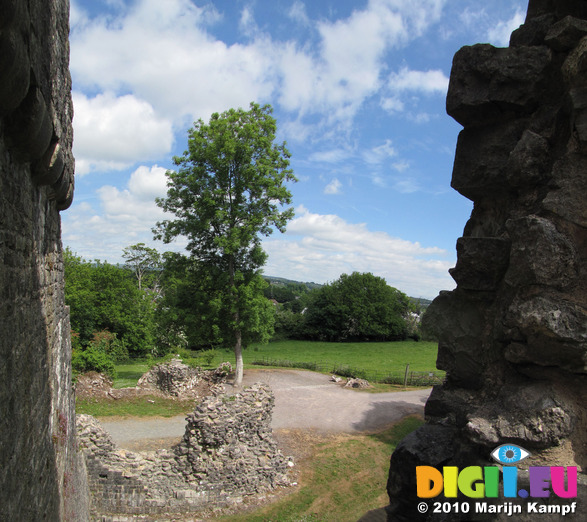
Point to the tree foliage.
(145, 262)
(102, 296)
(228, 190)
(356, 307)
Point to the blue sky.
(358, 89)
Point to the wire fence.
(404, 377)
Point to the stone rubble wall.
(173, 378)
(180, 380)
(513, 334)
(227, 452)
(41, 469)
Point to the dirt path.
(303, 400)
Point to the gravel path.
(303, 400)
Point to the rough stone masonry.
(227, 452)
(513, 334)
(42, 475)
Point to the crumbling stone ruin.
(513, 335)
(180, 380)
(227, 452)
(41, 470)
(174, 378)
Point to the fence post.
(406, 375)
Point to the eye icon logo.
(509, 454)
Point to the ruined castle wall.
(227, 452)
(41, 472)
(513, 334)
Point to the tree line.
(157, 303)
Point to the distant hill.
(424, 303)
(282, 281)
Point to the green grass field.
(391, 357)
(143, 406)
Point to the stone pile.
(227, 452)
(174, 378)
(357, 383)
(513, 335)
(182, 381)
(92, 384)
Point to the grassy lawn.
(144, 406)
(343, 479)
(129, 373)
(390, 356)
(374, 357)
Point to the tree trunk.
(238, 346)
(238, 353)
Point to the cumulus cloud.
(124, 217)
(165, 54)
(500, 34)
(112, 133)
(136, 205)
(162, 52)
(318, 247)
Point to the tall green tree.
(357, 307)
(145, 262)
(228, 191)
(101, 297)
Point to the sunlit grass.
(139, 406)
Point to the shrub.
(109, 343)
(93, 359)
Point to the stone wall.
(41, 471)
(513, 335)
(227, 452)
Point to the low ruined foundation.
(227, 453)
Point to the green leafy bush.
(95, 359)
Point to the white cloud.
(297, 12)
(125, 216)
(392, 105)
(136, 205)
(379, 154)
(319, 248)
(247, 23)
(333, 187)
(112, 133)
(164, 53)
(471, 18)
(427, 82)
(330, 156)
(407, 186)
(500, 34)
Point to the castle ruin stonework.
(42, 474)
(513, 334)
